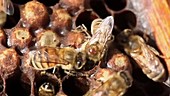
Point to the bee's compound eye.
(79, 64)
(79, 61)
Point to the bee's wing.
(167, 82)
(156, 52)
(104, 32)
(95, 25)
(8, 7)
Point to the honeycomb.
(51, 23)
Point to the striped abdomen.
(45, 58)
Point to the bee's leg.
(145, 37)
(157, 53)
(85, 30)
(54, 69)
(68, 72)
(105, 60)
(43, 72)
(4, 83)
(74, 73)
(105, 55)
(112, 38)
(83, 27)
(81, 74)
(167, 82)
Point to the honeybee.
(6, 7)
(46, 89)
(115, 85)
(96, 46)
(49, 57)
(143, 54)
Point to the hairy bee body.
(144, 56)
(116, 85)
(45, 58)
(67, 55)
(147, 60)
(101, 34)
(49, 57)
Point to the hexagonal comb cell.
(116, 5)
(86, 17)
(99, 7)
(61, 24)
(125, 19)
(75, 86)
(47, 85)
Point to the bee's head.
(123, 37)
(94, 52)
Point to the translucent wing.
(95, 25)
(104, 32)
(8, 7)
